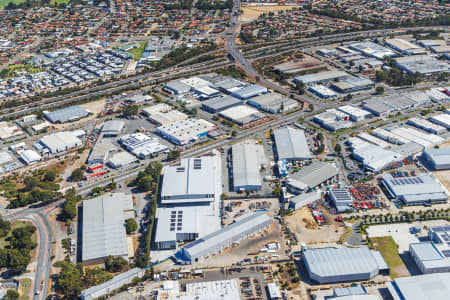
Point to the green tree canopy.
(131, 225)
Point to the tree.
(50, 176)
(130, 110)
(5, 227)
(77, 174)
(69, 280)
(311, 107)
(11, 295)
(145, 183)
(173, 154)
(114, 264)
(131, 225)
(300, 87)
(337, 148)
(97, 191)
(30, 183)
(379, 90)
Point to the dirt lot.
(94, 107)
(303, 225)
(239, 252)
(251, 13)
(444, 178)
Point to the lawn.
(3, 3)
(388, 248)
(8, 72)
(24, 289)
(14, 225)
(137, 52)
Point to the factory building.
(373, 157)
(121, 159)
(322, 91)
(183, 132)
(141, 145)
(341, 198)
(426, 125)
(219, 104)
(431, 43)
(248, 159)
(374, 140)
(333, 120)
(100, 153)
(9, 132)
(160, 107)
(438, 95)
(189, 201)
(354, 292)
(274, 291)
(103, 225)
(203, 88)
(242, 114)
(176, 87)
(439, 159)
(414, 190)
(404, 47)
(422, 64)
(273, 103)
(112, 128)
(164, 118)
(311, 176)
(388, 136)
(214, 242)
(372, 50)
(115, 283)
(430, 257)
(353, 84)
(356, 114)
(60, 141)
(200, 290)
(420, 287)
(416, 136)
(441, 49)
(321, 77)
(442, 120)
(377, 107)
(333, 265)
(229, 85)
(302, 200)
(306, 64)
(68, 114)
(291, 144)
(249, 92)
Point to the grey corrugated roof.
(220, 103)
(291, 144)
(227, 233)
(113, 126)
(104, 226)
(66, 114)
(431, 286)
(426, 251)
(246, 164)
(329, 262)
(314, 174)
(439, 156)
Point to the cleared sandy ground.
(251, 13)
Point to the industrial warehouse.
(112, 128)
(189, 201)
(68, 114)
(248, 159)
(242, 114)
(219, 240)
(311, 176)
(141, 145)
(291, 144)
(415, 190)
(332, 265)
(183, 132)
(273, 103)
(103, 231)
(219, 104)
(60, 141)
(439, 159)
(420, 287)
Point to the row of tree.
(16, 255)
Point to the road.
(39, 219)
(38, 215)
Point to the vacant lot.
(251, 13)
(303, 225)
(388, 248)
